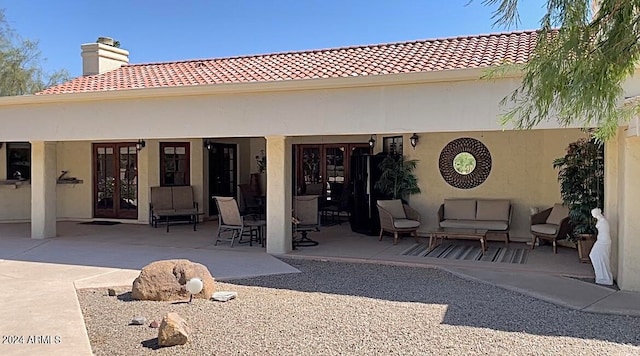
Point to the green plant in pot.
(397, 179)
(581, 177)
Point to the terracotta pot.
(585, 243)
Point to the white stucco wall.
(430, 107)
(628, 223)
(75, 201)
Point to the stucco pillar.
(143, 183)
(278, 195)
(43, 189)
(612, 180)
(629, 224)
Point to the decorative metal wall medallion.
(476, 174)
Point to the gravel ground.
(355, 309)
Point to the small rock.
(112, 292)
(139, 320)
(173, 330)
(154, 324)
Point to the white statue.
(601, 250)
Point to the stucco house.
(204, 121)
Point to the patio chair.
(396, 218)
(551, 225)
(250, 201)
(306, 219)
(229, 220)
(340, 203)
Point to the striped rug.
(471, 252)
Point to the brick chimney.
(102, 56)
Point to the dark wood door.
(326, 164)
(115, 180)
(222, 173)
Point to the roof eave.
(451, 75)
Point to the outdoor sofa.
(173, 204)
(493, 215)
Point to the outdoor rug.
(471, 252)
(98, 222)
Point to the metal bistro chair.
(306, 219)
(339, 203)
(229, 219)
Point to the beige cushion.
(493, 209)
(406, 224)
(464, 209)
(558, 213)
(394, 207)
(547, 229)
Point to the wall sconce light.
(414, 140)
(208, 145)
(140, 144)
(372, 141)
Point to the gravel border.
(335, 308)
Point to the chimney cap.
(106, 40)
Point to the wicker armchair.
(550, 224)
(397, 218)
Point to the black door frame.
(213, 163)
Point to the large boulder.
(173, 330)
(165, 280)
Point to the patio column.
(629, 224)
(278, 195)
(43, 189)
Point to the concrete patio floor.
(335, 242)
(40, 276)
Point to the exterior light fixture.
(414, 140)
(372, 141)
(194, 286)
(208, 145)
(140, 144)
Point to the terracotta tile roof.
(380, 59)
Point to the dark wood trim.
(187, 174)
(348, 151)
(115, 212)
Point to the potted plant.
(397, 179)
(581, 177)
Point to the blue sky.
(162, 30)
